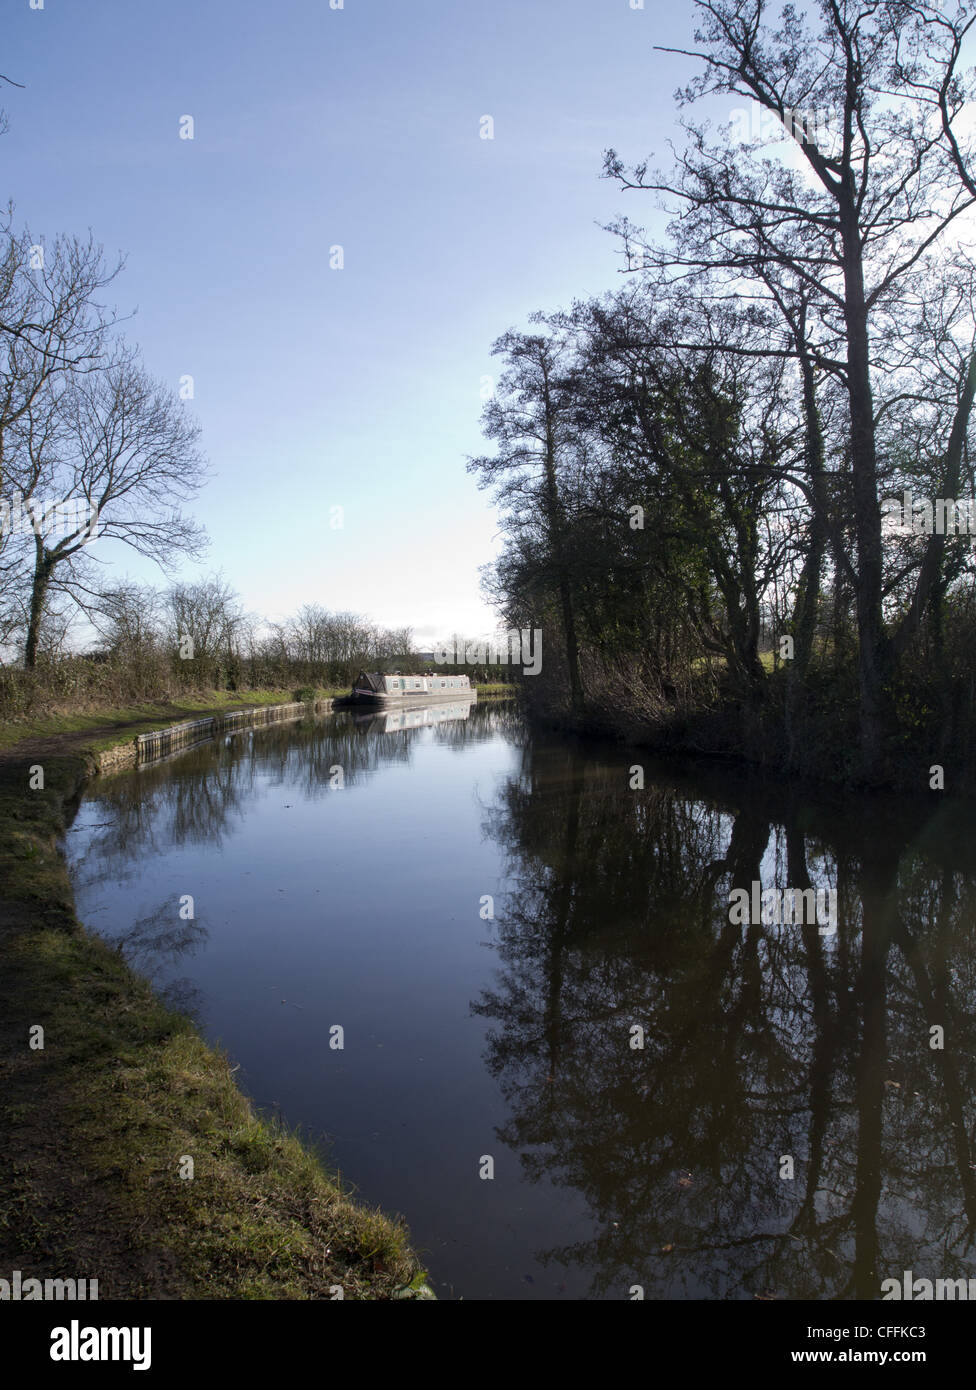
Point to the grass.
(111, 725)
(96, 1125)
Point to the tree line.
(155, 643)
(697, 472)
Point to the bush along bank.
(109, 1101)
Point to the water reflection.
(198, 796)
(391, 721)
(790, 1127)
(762, 1043)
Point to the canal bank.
(130, 1154)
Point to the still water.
(790, 1128)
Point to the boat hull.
(410, 699)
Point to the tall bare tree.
(880, 177)
(119, 454)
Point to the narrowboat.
(396, 691)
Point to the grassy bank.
(108, 725)
(100, 727)
(96, 1127)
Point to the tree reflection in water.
(761, 1042)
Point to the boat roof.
(375, 679)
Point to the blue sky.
(357, 388)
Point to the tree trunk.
(872, 645)
(808, 590)
(572, 648)
(39, 588)
(929, 577)
(557, 529)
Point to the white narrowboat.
(396, 691)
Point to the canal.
(561, 1060)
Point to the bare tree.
(51, 325)
(207, 611)
(118, 452)
(9, 82)
(51, 322)
(127, 615)
(856, 219)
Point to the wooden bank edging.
(159, 742)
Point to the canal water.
(536, 973)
